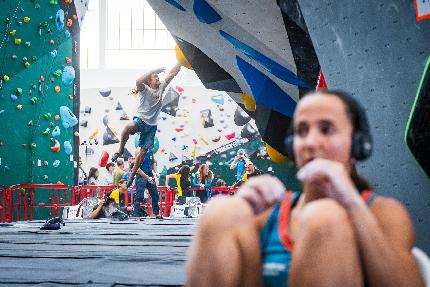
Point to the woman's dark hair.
(184, 171)
(92, 172)
(352, 111)
(109, 165)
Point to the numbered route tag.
(422, 9)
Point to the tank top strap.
(284, 215)
(368, 197)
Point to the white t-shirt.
(150, 103)
(107, 179)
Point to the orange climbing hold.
(57, 117)
(52, 42)
(68, 60)
(75, 16)
(55, 148)
(41, 79)
(69, 23)
(57, 89)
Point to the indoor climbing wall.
(254, 54)
(39, 90)
(196, 125)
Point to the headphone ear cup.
(361, 146)
(289, 147)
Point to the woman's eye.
(301, 131)
(327, 129)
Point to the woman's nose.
(313, 138)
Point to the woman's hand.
(262, 192)
(333, 178)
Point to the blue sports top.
(275, 243)
(147, 161)
(240, 169)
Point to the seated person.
(202, 179)
(112, 202)
(334, 232)
(183, 182)
(219, 183)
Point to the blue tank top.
(275, 243)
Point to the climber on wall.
(150, 90)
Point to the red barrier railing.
(18, 201)
(83, 191)
(226, 190)
(25, 200)
(165, 192)
(4, 204)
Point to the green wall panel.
(19, 162)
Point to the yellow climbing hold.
(19, 107)
(17, 41)
(94, 134)
(26, 19)
(249, 102)
(181, 58)
(275, 155)
(203, 139)
(12, 33)
(26, 64)
(5, 78)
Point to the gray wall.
(377, 51)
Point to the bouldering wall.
(39, 92)
(196, 125)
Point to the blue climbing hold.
(205, 13)
(56, 163)
(105, 93)
(68, 75)
(67, 33)
(14, 98)
(271, 66)
(266, 92)
(67, 147)
(106, 120)
(56, 132)
(59, 20)
(176, 5)
(67, 117)
(218, 99)
(53, 53)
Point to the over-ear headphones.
(361, 138)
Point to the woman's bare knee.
(325, 217)
(223, 212)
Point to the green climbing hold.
(27, 44)
(46, 132)
(24, 59)
(33, 100)
(34, 58)
(57, 73)
(47, 116)
(33, 146)
(45, 177)
(18, 91)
